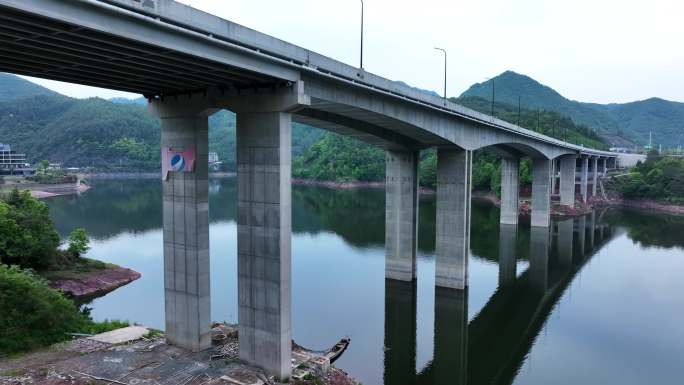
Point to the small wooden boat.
(337, 350)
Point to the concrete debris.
(120, 336)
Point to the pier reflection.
(492, 346)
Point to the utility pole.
(492, 97)
(445, 70)
(361, 34)
(518, 110)
(538, 121)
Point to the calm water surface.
(598, 300)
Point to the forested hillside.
(633, 121)
(12, 87)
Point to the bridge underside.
(51, 49)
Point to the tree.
(27, 234)
(79, 242)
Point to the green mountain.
(615, 122)
(113, 135)
(12, 87)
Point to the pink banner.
(178, 159)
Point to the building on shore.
(13, 163)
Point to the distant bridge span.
(189, 63)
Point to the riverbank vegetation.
(659, 178)
(33, 314)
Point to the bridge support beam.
(401, 214)
(453, 217)
(184, 128)
(264, 231)
(594, 176)
(584, 177)
(541, 193)
(508, 237)
(554, 173)
(568, 165)
(510, 169)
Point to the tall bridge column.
(554, 172)
(510, 187)
(541, 193)
(401, 214)
(264, 231)
(184, 140)
(568, 165)
(594, 176)
(453, 217)
(584, 176)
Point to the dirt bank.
(95, 283)
(149, 360)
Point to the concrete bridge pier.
(565, 237)
(184, 129)
(594, 176)
(264, 210)
(568, 165)
(454, 170)
(508, 236)
(510, 187)
(541, 193)
(554, 174)
(401, 214)
(539, 258)
(584, 177)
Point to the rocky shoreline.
(96, 283)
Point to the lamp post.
(492, 97)
(445, 70)
(361, 34)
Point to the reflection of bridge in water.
(491, 348)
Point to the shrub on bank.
(659, 178)
(33, 314)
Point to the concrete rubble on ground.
(126, 356)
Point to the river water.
(597, 300)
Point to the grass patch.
(13, 372)
(105, 326)
(77, 269)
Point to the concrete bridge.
(189, 64)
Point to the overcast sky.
(589, 50)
